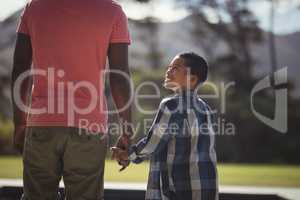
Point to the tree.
(151, 26)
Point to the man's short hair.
(197, 64)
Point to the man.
(64, 44)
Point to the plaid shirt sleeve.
(156, 138)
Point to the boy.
(180, 142)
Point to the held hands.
(121, 156)
(120, 151)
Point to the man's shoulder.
(115, 3)
(110, 3)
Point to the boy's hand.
(121, 156)
(119, 153)
(124, 164)
(123, 144)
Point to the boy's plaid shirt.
(181, 146)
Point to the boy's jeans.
(54, 152)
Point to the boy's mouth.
(168, 78)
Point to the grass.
(229, 174)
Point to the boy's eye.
(176, 68)
(173, 68)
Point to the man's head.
(186, 71)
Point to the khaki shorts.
(52, 153)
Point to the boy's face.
(176, 76)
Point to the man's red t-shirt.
(70, 40)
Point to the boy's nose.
(169, 71)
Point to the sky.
(286, 21)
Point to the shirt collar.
(186, 93)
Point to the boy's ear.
(194, 80)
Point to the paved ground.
(289, 193)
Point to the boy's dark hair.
(197, 65)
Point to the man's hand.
(123, 144)
(19, 137)
(121, 156)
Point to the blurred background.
(243, 41)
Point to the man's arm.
(119, 80)
(21, 62)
